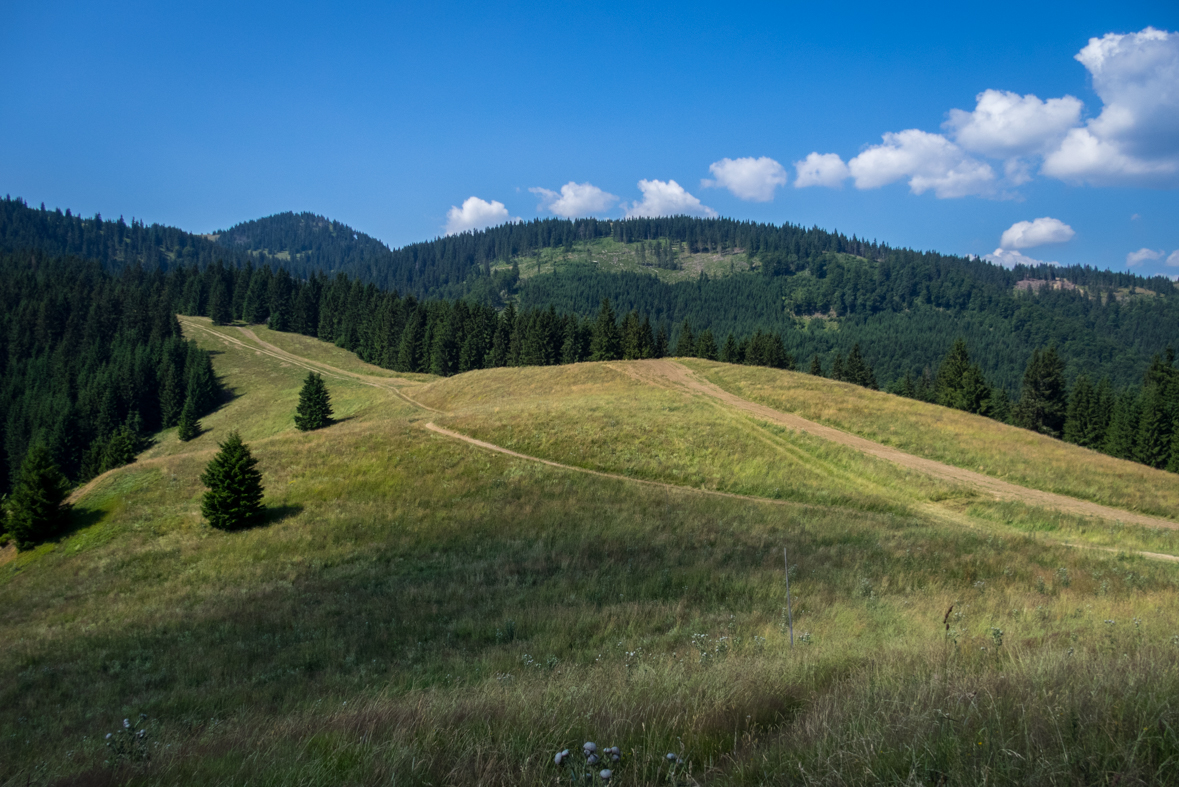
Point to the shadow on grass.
(79, 519)
(275, 514)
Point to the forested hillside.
(821, 292)
(91, 364)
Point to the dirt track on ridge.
(669, 374)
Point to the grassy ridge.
(956, 438)
(420, 609)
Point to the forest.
(91, 364)
(822, 292)
(1090, 363)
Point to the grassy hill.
(421, 609)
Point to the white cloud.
(820, 169)
(475, 214)
(1135, 139)
(929, 161)
(1029, 234)
(752, 179)
(1142, 255)
(666, 199)
(1009, 259)
(1006, 125)
(575, 199)
(1173, 260)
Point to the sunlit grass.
(957, 438)
(421, 611)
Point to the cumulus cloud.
(1135, 139)
(1142, 255)
(752, 179)
(1173, 260)
(1029, 234)
(820, 169)
(666, 199)
(929, 161)
(575, 199)
(1007, 125)
(475, 214)
(1009, 258)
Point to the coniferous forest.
(1088, 362)
(91, 364)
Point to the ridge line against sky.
(1055, 139)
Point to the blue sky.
(390, 117)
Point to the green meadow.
(419, 610)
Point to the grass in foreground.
(422, 611)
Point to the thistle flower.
(589, 748)
(126, 724)
(561, 755)
(592, 759)
(605, 774)
(108, 735)
(671, 757)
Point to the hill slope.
(823, 292)
(425, 609)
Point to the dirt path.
(614, 476)
(669, 374)
(273, 351)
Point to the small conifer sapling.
(234, 499)
(314, 410)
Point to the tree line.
(822, 292)
(91, 364)
(1137, 422)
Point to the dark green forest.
(822, 292)
(91, 364)
(1079, 354)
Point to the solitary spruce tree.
(315, 405)
(37, 509)
(188, 427)
(234, 499)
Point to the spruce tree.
(857, 369)
(315, 405)
(729, 353)
(816, 366)
(837, 368)
(188, 427)
(1173, 462)
(606, 342)
(37, 508)
(1043, 399)
(1153, 441)
(706, 345)
(661, 343)
(234, 499)
(1122, 433)
(951, 376)
(685, 345)
(1080, 408)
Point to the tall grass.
(419, 611)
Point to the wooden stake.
(789, 611)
